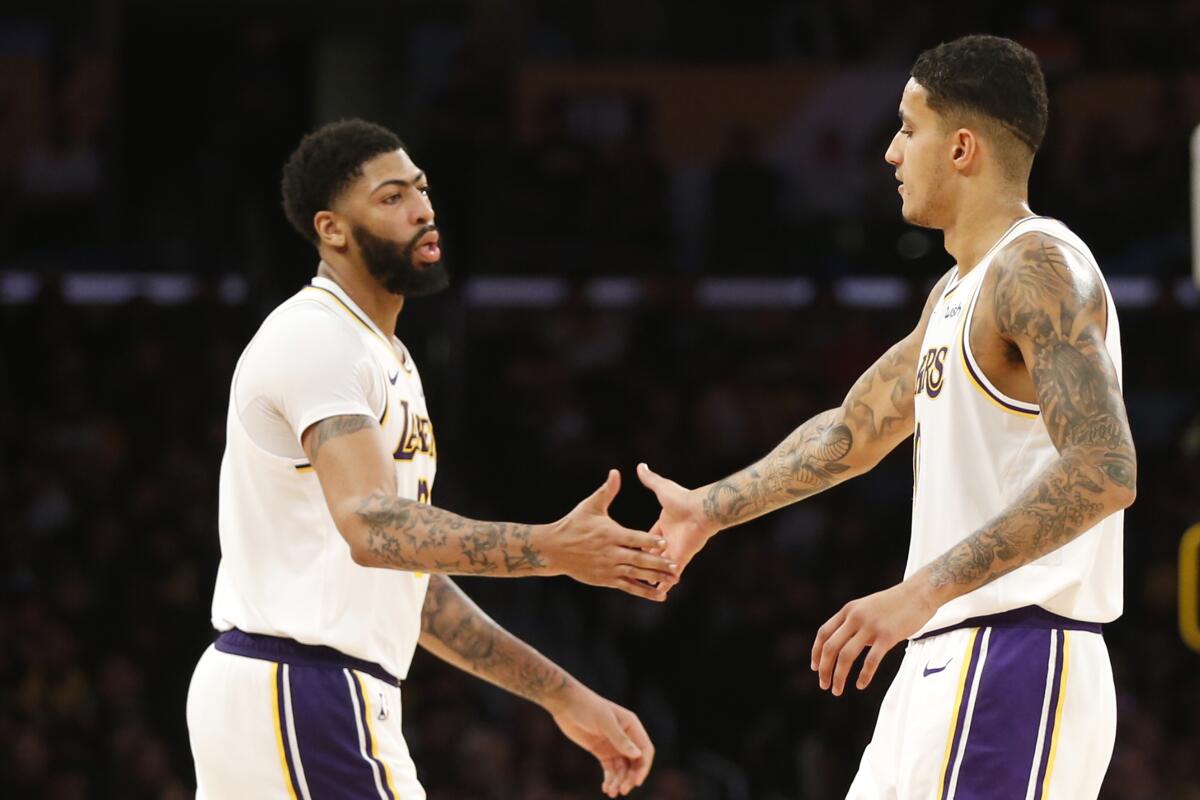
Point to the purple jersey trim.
(281, 692)
(1001, 745)
(327, 737)
(370, 744)
(960, 721)
(1051, 716)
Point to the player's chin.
(914, 216)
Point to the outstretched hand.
(592, 548)
(614, 735)
(682, 521)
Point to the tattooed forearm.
(806, 462)
(828, 449)
(409, 535)
(1063, 503)
(458, 631)
(1055, 312)
(332, 428)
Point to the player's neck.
(380, 305)
(979, 225)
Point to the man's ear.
(331, 229)
(964, 149)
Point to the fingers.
(638, 540)
(661, 564)
(840, 642)
(613, 773)
(603, 496)
(633, 726)
(660, 548)
(649, 478)
(612, 730)
(651, 576)
(871, 663)
(628, 784)
(829, 654)
(655, 482)
(638, 589)
(834, 642)
(845, 660)
(823, 634)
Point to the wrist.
(704, 513)
(544, 540)
(561, 697)
(928, 592)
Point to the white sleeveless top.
(975, 450)
(285, 569)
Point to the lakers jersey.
(285, 569)
(976, 450)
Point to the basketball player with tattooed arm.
(1010, 386)
(334, 565)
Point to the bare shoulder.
(1038, 278)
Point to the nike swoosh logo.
(931, 670)
(394, 378)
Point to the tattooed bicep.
(1054, 308)
(1044, 291)
(329, 428)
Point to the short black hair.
(327, 161)
(991, 76)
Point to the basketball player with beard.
(334, 563)
(1010, 387)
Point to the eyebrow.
(398, 182)
(904, 118)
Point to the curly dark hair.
(990, 76)
(325, 163)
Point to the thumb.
(613, 731)
(651, 479)
(602, 498)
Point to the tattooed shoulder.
(1041, 285)
(332, 428)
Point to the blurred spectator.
(112, 417)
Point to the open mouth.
(427, 248)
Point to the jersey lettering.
(416, 437)
(931, 371)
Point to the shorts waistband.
(289, 651)
(1024, 617)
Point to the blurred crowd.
(144, 136)
(111, 434)
(158, 131)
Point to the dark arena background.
(673, 239)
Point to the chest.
(962, 331)
(943, 337)
(405, 416)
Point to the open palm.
(682, 521)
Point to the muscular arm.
(1053, 308)
(833, 446)
(457, 631)
(358, 479)
(384, 529)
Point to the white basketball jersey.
(975, 450)
(285, 569)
